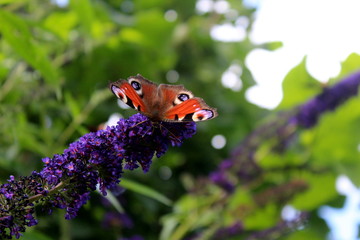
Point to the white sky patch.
(231, 77)
(221, 6)
(242, 21)
(326, 31)
(228, 32)
(218, 141)
(61, 3)
(252, 3)
(218, 6)
(343, 222)
(268, 91)
(204, 6)
(344, 185)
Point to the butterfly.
(164, 102)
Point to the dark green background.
(55, 65)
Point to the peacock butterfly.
(164, 102)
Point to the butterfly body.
(162, 102)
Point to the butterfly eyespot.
(136, 85)
(202, 115)
(183, 97)
(119, 93)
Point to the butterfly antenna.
(152, 128)
(172, 135)
(140, 123)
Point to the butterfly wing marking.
(126, 93)
(193, 109)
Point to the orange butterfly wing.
(126, 93)
(193, 109)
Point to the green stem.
(54, 190)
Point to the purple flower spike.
(328, 100)
(136, 237)
(220, 178)
(242, 165)
(227, 232)
(97, 158)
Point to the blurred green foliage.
(56, 63)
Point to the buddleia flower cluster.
(97, 159)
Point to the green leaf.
(272, 46)
(335, 139)
(18, 35)
(275, 160)
(240, 197)
(146, 191)
(146, 4)
(33, 234)
(321, 190)
(85, 12)
(61, 23)
(169, 223)
(113, 200)
(72, 104)
(131, 35)
(27, 135)
(190, 213)
(11, 1)
(262, 218)
(306, 233)
(351, 64)
(158, 31)
(298, 86)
